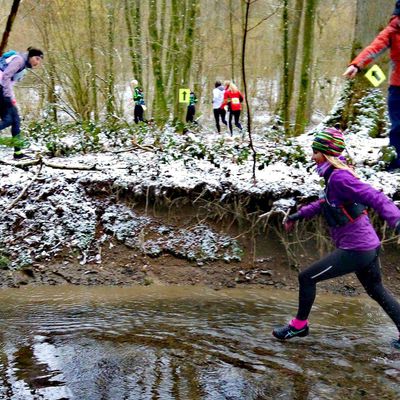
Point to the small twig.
(200, 196)
(251, 229)
(67, 109)
(262, 20)
(272, 212)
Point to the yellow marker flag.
(375, 75)
(184, 95)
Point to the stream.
(169, 342)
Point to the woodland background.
(288, 58)
(286, 55)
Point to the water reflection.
(185, 343)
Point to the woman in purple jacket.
(357, 245)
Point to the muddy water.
(190, 343)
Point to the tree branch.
(262, 20)
(21, 164)
(135, 146)
(41, 161)
(78, 167)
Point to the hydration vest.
(343, 214)
(5, 59)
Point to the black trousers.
(366, 266)
(394, 115)
(191, 111)
(10, 117)
(219, 113)
(234, 114)
(138, 113)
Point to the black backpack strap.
(328, 174)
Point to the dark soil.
(124, 266)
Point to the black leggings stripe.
(366, 266)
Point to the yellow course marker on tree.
(375, 75)
(184, 95)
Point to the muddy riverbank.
(68, 235)
(138, 218)
(263, 263)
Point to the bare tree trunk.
(285, 103)
(133, 26)
(306, 68)
(110, 102)
(193, 7)
(245, 32)
(10, 21)
(65, 70)
(291, 31)
(198, 68)
(51, 68)
(232, 41)
(172, 61)
(138, 40)
(294, 34)
(48, 91)
(92, 58)
(160, 103)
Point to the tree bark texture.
(306, 67)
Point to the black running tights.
(236, 115)
(366, 266)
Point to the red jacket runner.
(389, 38)
(233, 99)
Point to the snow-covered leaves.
(66, 210)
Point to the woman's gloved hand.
(290, 221)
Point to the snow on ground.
(57, 210)
(137, 170)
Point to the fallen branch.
(24, 190)
(21, 164)
(80, 167)
(135, 146)
(41, 161)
